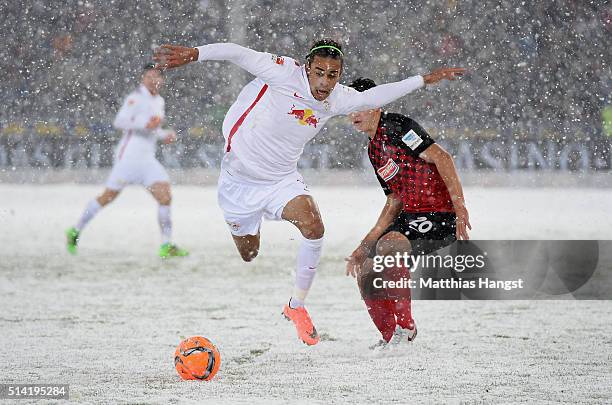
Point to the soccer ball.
(196, 358)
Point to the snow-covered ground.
(107, 321)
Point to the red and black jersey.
(394, 154)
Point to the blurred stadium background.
(537, 99)
(535, 111)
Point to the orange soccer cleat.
(305, 329)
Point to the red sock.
(402, 305)
(382, 312)
(403, 314)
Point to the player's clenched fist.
(170, 137)
(171, 56)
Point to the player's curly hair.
(362, 84)
(325, 48)
(151, 66)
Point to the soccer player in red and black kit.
(424, 211)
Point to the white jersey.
(138, 142)
(275, 115)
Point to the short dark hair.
(150, 66)
(325, 48)
(362, 84)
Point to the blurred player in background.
(265, 131)
(140, 118)
(425, 211)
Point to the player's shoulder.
(134, 96)
(341, 90)
(285, 70)
(340, 96)
(285, 61)
(401, 129)
(399, 123)
(406, 133)
(395, 124)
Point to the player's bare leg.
(107, 196)
(303, 212)
(162, 194)
(73, 233)
(248, 246)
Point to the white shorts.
(144, 172)
(244, 204)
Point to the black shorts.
(426, 231)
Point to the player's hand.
(170, 137)
(443, 73)
(154, 122)
(355, 261)
(463, 222)
(172, 56)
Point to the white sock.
(90, 211)
(307, 262)
(165, 223)
(295, 302)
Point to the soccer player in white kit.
(140, 119)
(265, 131)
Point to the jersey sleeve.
(272, 69)
(412, 137)
(385, 187)
(352, 100)
(383, 184)
(129, 117)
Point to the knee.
(248, 255)
(313, 229)
(165, 200)
(383, 248)
(165, 197)
(161, 192)
(106, 198)
(390, 246)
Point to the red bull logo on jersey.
(389, 170)
(304, 117)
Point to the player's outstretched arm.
(384, 94)
(446, 167)
(389, 213)
(443, 74)
(270, 68)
